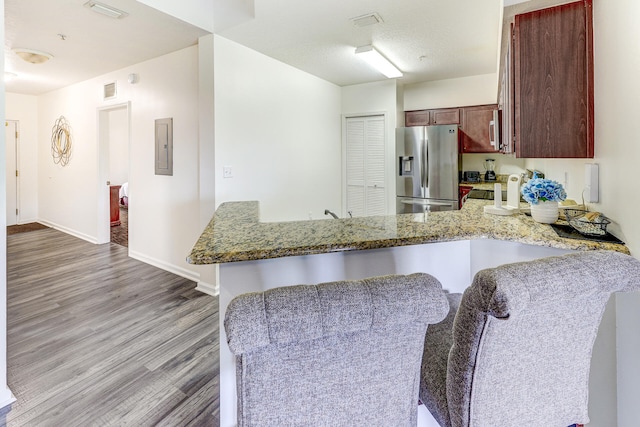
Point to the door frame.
(102, 190)
(16, 164)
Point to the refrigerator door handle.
(492, 134)
(494, 130)
(425, 163)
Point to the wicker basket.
(596, 227)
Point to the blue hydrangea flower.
(538, 189)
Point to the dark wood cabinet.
(114, 204)
(445, 116)
(463, 192)
(416, 118)
(478, 133)
(553, 82)
(441, 116)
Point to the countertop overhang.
(235, 233)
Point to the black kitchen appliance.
(490, 170)
(471, 176)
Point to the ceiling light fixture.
(106, 10)
(377, 61)
(32, 56)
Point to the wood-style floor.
(96, 338)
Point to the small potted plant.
(543, 195)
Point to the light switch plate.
(227, 172)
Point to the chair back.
(340, 353)
(523, 336)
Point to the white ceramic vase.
(545, 212)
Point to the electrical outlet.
(227, 172)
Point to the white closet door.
(365, 164)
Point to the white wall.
(505, 165)
(279, 130)
(118, 146)
(196, 12)
(24, 109)
(164, 210)
(376, 98)
(460, 92)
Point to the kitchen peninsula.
(236, 234)
(452, 246)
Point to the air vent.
(110, 90)
(366, 20)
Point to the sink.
(487, 194)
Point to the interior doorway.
(12, 172)
(114, 130)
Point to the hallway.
(96, 338)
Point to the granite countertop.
(235, 233)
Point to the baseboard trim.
(27, 221)
(208, 289)
(179, 271)
(90, 239)
(6, 398)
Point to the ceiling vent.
(110, 90)
(366, 20)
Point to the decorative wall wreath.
(61, 141)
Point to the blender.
(490, 170)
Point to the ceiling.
(93, 44)
(426, 39)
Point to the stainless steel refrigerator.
(427, 168)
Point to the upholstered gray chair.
(515, 349)
(334, 354)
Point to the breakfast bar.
(452, 246)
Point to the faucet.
(328, 212)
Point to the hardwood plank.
(97, 338)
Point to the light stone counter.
(235, 233)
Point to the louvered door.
(365, 166)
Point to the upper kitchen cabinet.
(445, 116)
(553, 82)
(442, 116)
(479, 129)
(417, 118)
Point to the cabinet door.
(553, 54)
(416, 118)
(506, 103)
(449, 116)
(463, 191)
(476, 132)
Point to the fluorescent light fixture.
(377, 61)
(106, 10)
